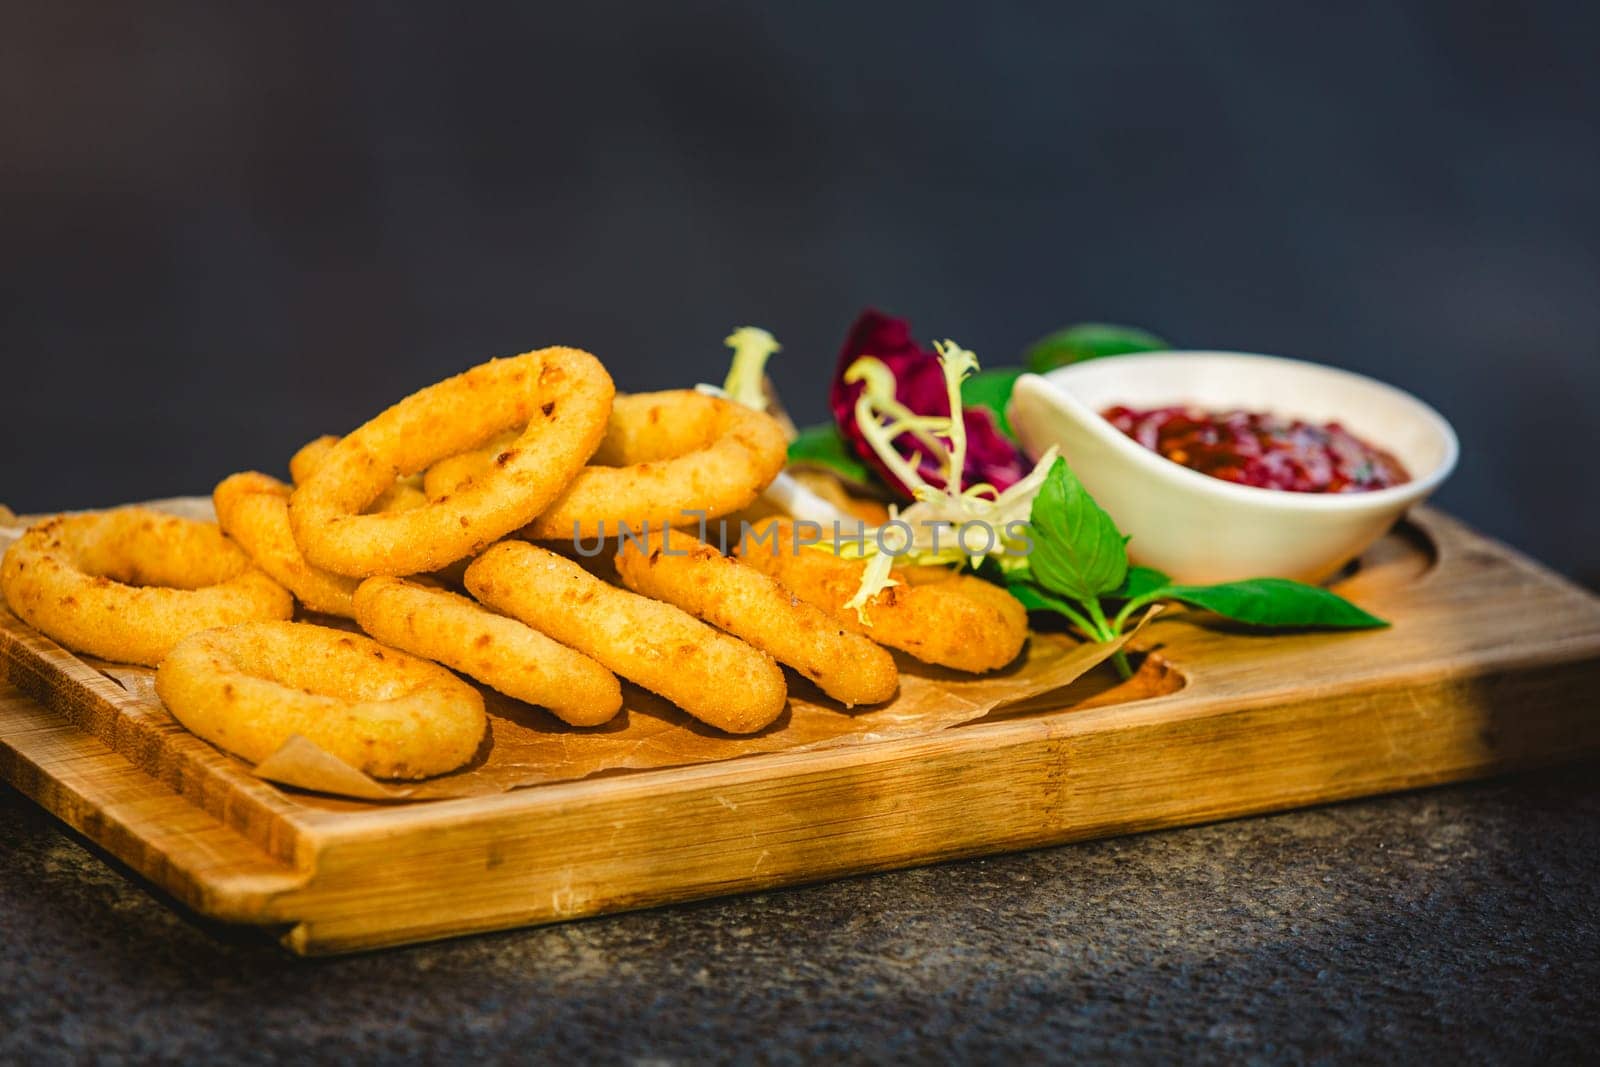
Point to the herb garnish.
(1079, 569)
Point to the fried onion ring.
(498, 651)
(454, 473)
(309, 457)
(130, 583)
(666, 456)
(249, 688)
(403, 495)
(718, 679)
(684, 571)
(562, 398)
(962, 621)
(253, 509)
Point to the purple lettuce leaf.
(919, 385)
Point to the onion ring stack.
(560, 396)
(667, 459)
(534, 447)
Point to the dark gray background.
(225, 231)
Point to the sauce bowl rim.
(1051, 385)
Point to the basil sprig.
(1267, 602)
(1079, 569)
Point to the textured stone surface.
(1460, 922)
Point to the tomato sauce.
(1264, 450)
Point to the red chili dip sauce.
(1260, 449)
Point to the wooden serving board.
(1492, 664)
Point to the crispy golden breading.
(457, 472)
(962, 622)
(718, 679)
(249, 688)
(403, 495)
(253, 509)
(309, 457)
(130, 583)
(665, 456)
(498, 651)
(560, 396)
(684, 571)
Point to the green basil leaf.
(823, 446)
(1089, 340)
(1035, 599)
(1077, 550)
(1017, 576)
(1276, 602)
(991, 389)
(1139, 582)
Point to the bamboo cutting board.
(1492, 664)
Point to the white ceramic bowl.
(1201, 529)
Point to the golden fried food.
(130, 583)
(309, 457)
(560, 396)
(249, 688)
(666, 457)
(403, 495)
(498, 651)
(740, 599)
(253, 509)
(962, 622)
(718, 679)
(454, 473)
